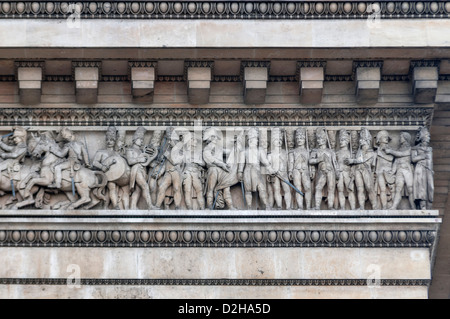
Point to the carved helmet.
(344, 135)
(422, 133)
(139, 134)
(210, 132)
(111, 133)
(20, 132)
(365, 135)
(156, 137)
(252, 133)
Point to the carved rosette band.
(225, 10)
(219, 238)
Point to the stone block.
(425, 83)
(443, 92)
(30, 84)
(311, 85)
(86, 84)
(367, 84)
(255, 84)
(199, 84)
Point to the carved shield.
(118, 167)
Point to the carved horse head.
(40, 144)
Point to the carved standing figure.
(249, 169)
(403, 170)
(116, 169)
(383, 166)
(171, 170)
(364, 165)
(346, 181)
(327, 169)
(422, 157)
(138, 159)
(155, 169)
(299, 168)
(221, 175)
(193, 173)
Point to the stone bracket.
(29, 75)
(143, 76)
(425, 77)
(255, 75)
(86, 75)
(367, 75)
(311, 75)
(198, 75)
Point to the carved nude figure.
(299, 168)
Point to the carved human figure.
(171, 170)
(402, 169)
(299, 168)
(155, 169)
(193, 173)
(12, 157)
(116, 168)
(13, 154)
(383, 166)
(346, 181)
(74, 153)
(422, 157)
(138, 159)
(364, 168)
(221, 175)
(279, 159)
(249, 169)
(327, 169)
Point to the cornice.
(213, 9)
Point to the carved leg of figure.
(409, 186)
(306, 182)
(227, 198)
(341, 188)
(321, 180)
(153, 189)
(352, 199)
(141, 181)
(287, 195)
(113, 194)
(58, 173)
(369, 184)
(212, 181)
(399, 183)
(135, 198)
(331, 183)
(277, 193)
(163, 186)
(263, 196)
(360, 190)
(269, 192)
(176, 186)
(297, 180)
(198, 188)
(382, 185)
(248, 199)
(187, 185)
(84, 192)
(126, 197)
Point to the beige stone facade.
(352, 64)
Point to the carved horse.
(87, 183)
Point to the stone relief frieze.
(209, 167)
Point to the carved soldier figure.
(116, 169)
(221, 176)
(171, 170)
(76, 153)
(138, 159)
(383, 166)
(299, 169)
(346, 181)
(327, 169)
(364, 164)
(279, 159)
(193, 174)
(422, 157)
(14, 154)
(403, 170)
(249, 169)
(155, 169)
